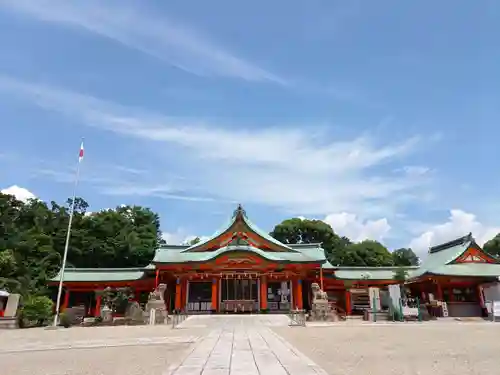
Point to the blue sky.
(378, 117)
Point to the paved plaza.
(260, 344)
(430, 348)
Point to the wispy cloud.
(300, 169)
(134, 27)
(459, 223)
(120, 181)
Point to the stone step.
(354, 317)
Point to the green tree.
(194, 241)
(33, 235)
(400, 274)
(126, 236)
(366, 253)
(27, 255)
(492, 247)
(37, 309)
(296, 230)
(405, 257)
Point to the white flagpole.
(68, 234)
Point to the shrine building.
(242, 269)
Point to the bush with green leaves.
(37, 309)
(65, 320)
(116, 299)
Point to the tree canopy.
(297, 230)
(367, 253)
(33, 234)
(405, 257)
(492, 247)
(340, 251)
(193, 241)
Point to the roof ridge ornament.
(452, 243)
(239, 211)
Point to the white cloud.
(133, 27)
(459, 224)
(20, 193)
(299, 169)
(415, 170)
(349, 225)
(179, 237)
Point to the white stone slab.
(238, 346)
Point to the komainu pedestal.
(157, 302)
(321, 309)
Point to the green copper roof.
(364, 273)
(300, 253)
(177, 254)
(240, 213)
(440, 259)
(368, 273)
(101, 274)
(468, 269)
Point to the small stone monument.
(12, 305)
(320, 309)
(374, 294)
(107, 314)
(157, 302)
(9, 319)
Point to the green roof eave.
(176, 257)
(264, 234)
(368, 273)
(464, 270)
(102, 274)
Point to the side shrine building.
(243, 269)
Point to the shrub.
(116, 299)
(65, 320)
(73, 316)
(37, 309)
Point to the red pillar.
(66, 300)
(263, 292)
(184, 293)
(298, 294)
(321, 278)
(214, 294)
(97, 311)
(178, 296)
(348, 310)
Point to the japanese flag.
(80, 155)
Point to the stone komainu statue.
(321, 309)
(156, 301)
(318, 294)
(158, 293)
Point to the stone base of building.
(8, 323)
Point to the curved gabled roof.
(240, 214)
(442, 260)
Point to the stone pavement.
(35, 346)
(243, 345)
